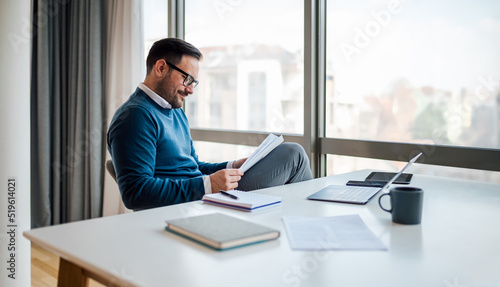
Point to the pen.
(228, 194)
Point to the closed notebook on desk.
(221, 231)
(246, 200)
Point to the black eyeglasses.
(188, 80)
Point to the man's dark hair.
(171, 50)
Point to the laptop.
(355, 194)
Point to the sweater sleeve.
(132, 143)
(205, 167)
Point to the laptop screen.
(401, 171)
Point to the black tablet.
(404, 178)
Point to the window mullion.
(176, 19)
(314, 75)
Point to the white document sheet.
(346, 232)
(264, 148)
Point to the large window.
(251, 77)
(399, 77)
(421, 72)
(414, 71)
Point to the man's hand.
(225, 179)
(239, 163)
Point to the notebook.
(247, 201)
(355, 194)
(221, 231)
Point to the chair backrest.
(111, 168)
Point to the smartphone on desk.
(366, 183)
(384, 177)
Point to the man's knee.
(293, 151)
(293, 148)
(296, 157)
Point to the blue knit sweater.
(153, 155)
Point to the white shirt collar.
(155, 97)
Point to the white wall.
(15, 46)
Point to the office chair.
(111, 169)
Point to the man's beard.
(172, 96)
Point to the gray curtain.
(67, 126)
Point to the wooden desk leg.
(70, 275)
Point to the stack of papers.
(264, 148)
(347, 232)
(246, 200)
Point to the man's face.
(171, 87)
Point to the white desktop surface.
(457, 243)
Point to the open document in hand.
(264, 148)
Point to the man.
(151, 146)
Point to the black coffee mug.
(406, 204)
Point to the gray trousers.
(287, 163)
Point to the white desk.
(457, 244)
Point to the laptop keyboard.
(354, 194)
(357, 193)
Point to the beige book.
(221, 231)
